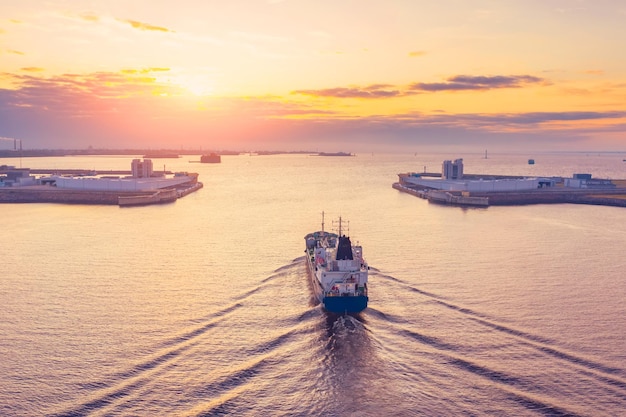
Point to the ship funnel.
(344, 249)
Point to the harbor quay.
(142, 187)
(452, 186)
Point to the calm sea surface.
(202, 307)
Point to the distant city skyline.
(354, 76)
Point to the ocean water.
(202, 307)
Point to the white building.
(141, 169)
(586, 181)
(452, 170)
(118, 184)
(141, 180)
(17, 177)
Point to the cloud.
(145, 26)
(414, 54)
(144, 71)
(79, 94)
(32, 69)
(133, 108)
(373, 91)
(12, 51)
(469, 82)
(90, 17)
(491, 121)
(455, 83)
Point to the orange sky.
(314, 75)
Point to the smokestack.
(15, 144)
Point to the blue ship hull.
(345, 305)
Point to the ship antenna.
(340, 226)
(322, 221)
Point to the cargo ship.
(211, 158)
(337, 270)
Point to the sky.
(314, 75)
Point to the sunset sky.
(350, 75)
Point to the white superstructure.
(142, 179)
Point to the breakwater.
(557, 196)
(49, 194)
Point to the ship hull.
(345, 305)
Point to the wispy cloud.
(145, 26)
(32, 69)
(455, 83)
(414, 54)
(90, 17)
(374, 91)
(70, 92)
(144, 70)
(480, 82)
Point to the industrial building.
(586, 181)
(452, 170)
(16, 177)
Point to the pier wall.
(50, 194)
(615, 197)
(555, 197)
(46, 194)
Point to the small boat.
(531, 162)
(334, 154)
(337, 271)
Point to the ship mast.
(340, 223)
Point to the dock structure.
(455, 187)
(49, 194)
(142, 187)
(559, 195)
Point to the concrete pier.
(50, 194)
(559, 195)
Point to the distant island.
(156, 153)
(333, 154)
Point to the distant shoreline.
(161, 153)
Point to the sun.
(196, 85)
(199, 88)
